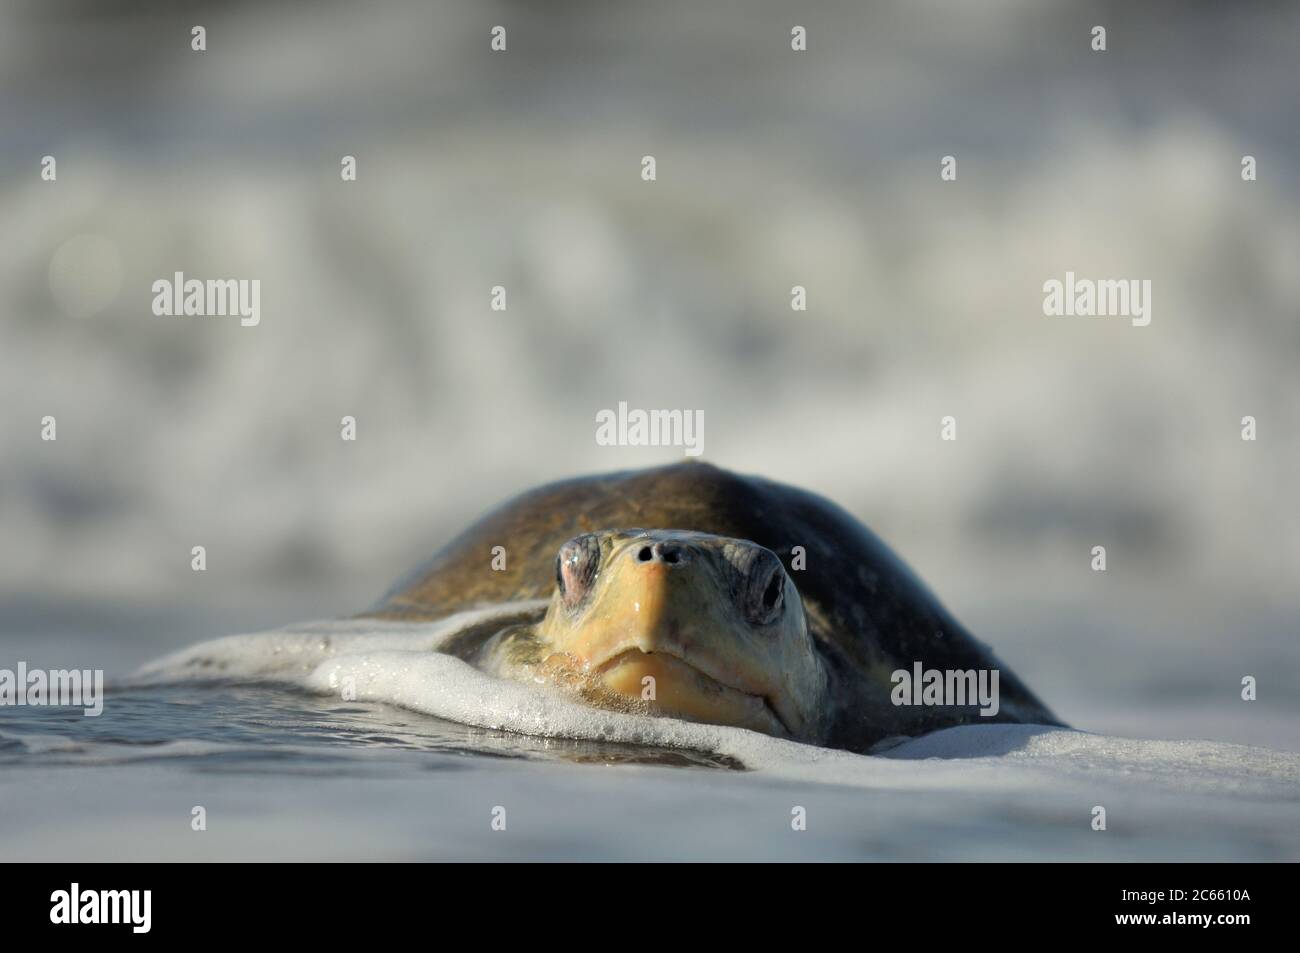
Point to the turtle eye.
(575, 568)
(766, 593)
(760, 584)
(771, 599)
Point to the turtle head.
(685, 624)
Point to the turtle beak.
(661, 631)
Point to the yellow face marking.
(668, 636)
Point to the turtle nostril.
(670, 553)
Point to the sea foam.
(397, 663)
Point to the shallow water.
(230, 723)
(285, 771)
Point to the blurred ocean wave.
(775, 169)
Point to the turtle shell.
(868, 613)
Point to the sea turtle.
(694, 592)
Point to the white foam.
(293, 652)
(396, 663)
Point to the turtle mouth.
(684, 690)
